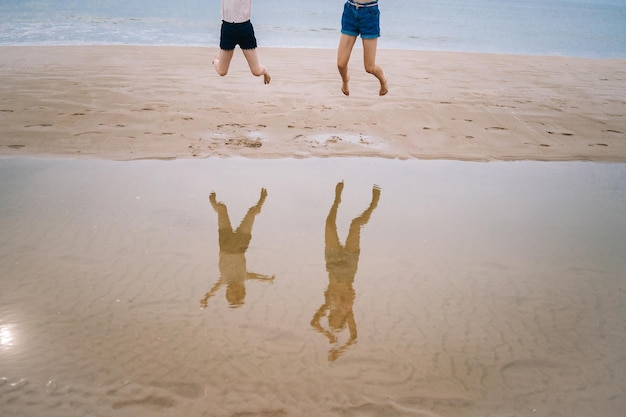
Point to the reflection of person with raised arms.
(233, 246)
(341, 264)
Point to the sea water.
(586, 28)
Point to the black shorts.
(234, 34)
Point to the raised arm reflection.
(232, 259)
(341, 263)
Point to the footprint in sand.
(229, 124)
(550, 132)
(94, 132)
(152, 402)
(40, 125)
(246, 143)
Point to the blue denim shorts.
(361, 19)
(233, 34)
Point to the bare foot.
(344, 88)
(338, 190)
(213, 199)
(383, 88)
(375, 196)
(266, 77)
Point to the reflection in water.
(233, 246)
(6, 336)
(341, 263)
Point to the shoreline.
(165, 102)
(357, 46)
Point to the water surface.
(349, 287)
(584, 28)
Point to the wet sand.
(471, 289)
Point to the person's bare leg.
(255, 67)
(222, 61)
(369, 59)
(353, 241)
(223, 220)
(248, 220)
(346, 43)
(331, 237)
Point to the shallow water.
(470, 289)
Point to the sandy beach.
(179, 244)
(125, 102)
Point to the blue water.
(587, 28)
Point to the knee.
(342, 66)
(258, 71)
(220, 69)
(370, 69)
